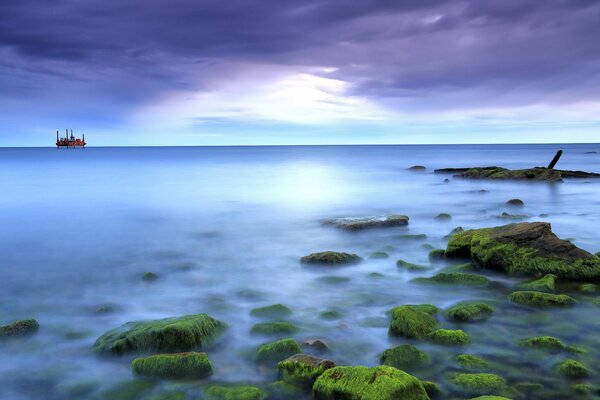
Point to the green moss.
(274, 328)
(413, 322)
(235, 393)
(572, 369)
(330, 258)
(281, 390)
(478, 383)
(443, 216)
(379, 255)
(449, 337)
(455, 278)
(131, 390)
(418, 236)
(410, 266)
(302, 370)
(277, 350)
(470, 361)
(178, 365)
(333, 279)
(470, 311)
(273, 311)
(377, 383)
(490, 398)
(404, 357)
(437, 254)
(544, 342)
(190, 332)
(330, 315)
(542, 299)
(576, 350)
(454, 231)
(589, 288)
(149, 276)
(545, 284)
(18, 328)
(584, 388)
(431, 388)
(528, 387)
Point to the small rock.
(19, 328)
(330, 258)
(515, 203)
(443, 216)
(316, 344)
(360, 223)
(149, 276)
(302, 370)
(417, 168)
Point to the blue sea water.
(224, 227)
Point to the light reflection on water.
(224, 228)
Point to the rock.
(453, 232)
(235, 393)
(105, 309)
(377, 383)
(545, 284)
(589, 288)
(506, 215)
(443, 216)
(584, 388)
(360, 223)
(330, 315)
(446, 180)
(449, 337)
(480, 383)
(19, 328)
(404, 357)
(413, 321)
(431, 388)
(330, 258)
(540, 299)
(406, 236)
(169, 335)
(455, 278)
(470, 311)
(537, 173)
(302, 370)
(526, 248)
(273, 311)
(544, 343)
(149, 276)
(572, 369)
(333, 280)
(469, 361)
(417, 168)
(281, 390)
(179, 365)
(410, 266)
(316, 344)
(379, 255)
(276, 351)
(280, 328)
(437, 254)
(490, 398)
(515, 203)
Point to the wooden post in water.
(555, 159)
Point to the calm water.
(224, 228)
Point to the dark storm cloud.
(431, 51)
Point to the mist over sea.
(224, 227)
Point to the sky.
(284, 72)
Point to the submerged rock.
(410, 266)
(515, 203)
(404, 357)
(437, 254)
(316, 345)
(19, 328)
(470, 311)
(417, 168)
(179, 365)
(431, 388)
(170, 335)
(277, 351)
(572, 369)
(413, 321)
(377, 383)
(281, 390)
(545, 284)
(540, 299)
(478, 383)
(379, 255)
(149, 276)
(455, 278)
(526, 248)
(544, 342)
(302, 370)
(273, 311)
(449, 337)
(506, 215)
(443, 216)
(470, 361)
(331, 258)
(360, 223)
(274, 328)
(235, 393)
(536, 174)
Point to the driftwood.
(555, 159)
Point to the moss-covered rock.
(449, 337)
(276, 351)
(410, 266)
(272, 311)
(479, 383)
(409, 236)
(589, 288)
(361, 223)
(543, 342)
(274, 328)
(130, 390)
(506, 215)
(454, 231)
(235, 393)
(437, 254)
(19, 328)
(443, 216)
(572, 369)
(149, 276)
(178, 365)
(302, 370)
(281, 390)
(469, 361)
(316, 345)
(378, 255)
(499, 173)
(584, 388)
(404, 357)
(545, 284)
(490, 398)
(455, 278)
(413, 321)
(377, 383)
(169, 335)
(524, 249)
(539, 299)
(333, 280)
(330, 315)
(470, 311)
(432, 389)
(330, 258)
(515, 203)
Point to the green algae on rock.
(470, 311)
(274, 328)
(277, 350)
(437, 254)
(544, 342)
(490, 398)
(330, 258)
(235, 393)
(280, 390)
(443, 216)
(526, 248)
(175, 365)
(377, 383)
(449, 337)
(589, 288)
(539, 299)
(404, 357)
(413, 321)
(454, 231)
(272, 311)
(410, 266)
(572, 369)
(470, 361)
(379, 255)
(169, 335)
(302, 370)
(330, 315)
(411, 236)
(455, 278)
(584, 388)
(361, 223)
(431, 388)
(478, 383)
(545, 284)
(149, 276)
(19, 328)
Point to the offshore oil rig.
(70, 141)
